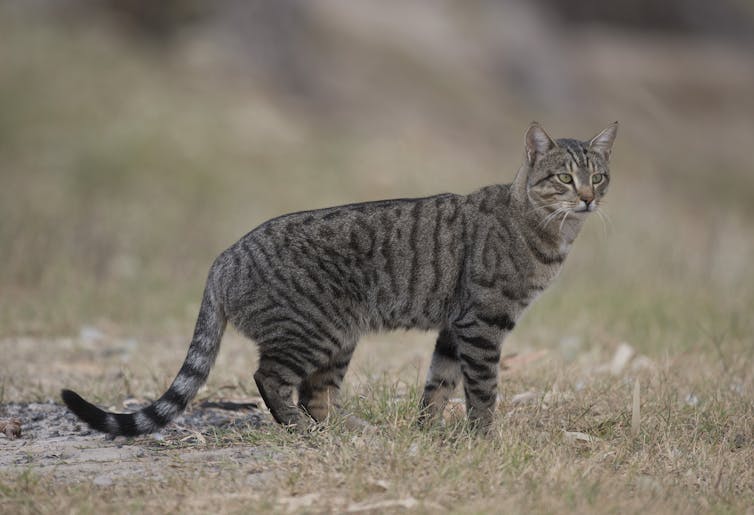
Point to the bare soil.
(54, 442)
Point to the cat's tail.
(205, 344)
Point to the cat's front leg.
(479, 339)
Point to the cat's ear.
(537, 143)
(602, 143)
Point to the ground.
(568, 435)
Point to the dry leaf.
(555, 396)
(523, 398)
(11, 428)
(407, 503)
(379, 485)
(517, 361)
(296, 502)
(194, 434)
(578, 437)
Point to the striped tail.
(193, 374)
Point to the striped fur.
(306, 286)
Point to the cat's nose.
(587, 201)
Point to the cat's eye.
(598, 178)
(565, 178)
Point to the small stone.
(90, 334)
(692, 400)
(622, 356)
(103, 480)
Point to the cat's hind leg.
(311, 368)
(318, 393)
(442, 378)
(285, 363)
(276, 386)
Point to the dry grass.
(124, 176)
(693, 452)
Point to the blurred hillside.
(139, 139)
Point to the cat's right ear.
(537, 143)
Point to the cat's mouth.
(583, 207)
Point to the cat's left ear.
(602, 143)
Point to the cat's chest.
(543, 275)
(533, 278)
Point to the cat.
(306, 285)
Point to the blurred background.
(139, 139)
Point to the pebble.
(103, 480)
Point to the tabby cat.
(306, 285)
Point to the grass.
(125, 171)
(687, 457)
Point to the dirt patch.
(54, 442)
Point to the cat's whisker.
(534, 210)
(546, 219)
(560, 229)
(543, 206)
(552, 216)
(607, 218)
(604, 225)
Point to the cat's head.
(567, 175)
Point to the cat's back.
(379, 248)
(350, 227)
